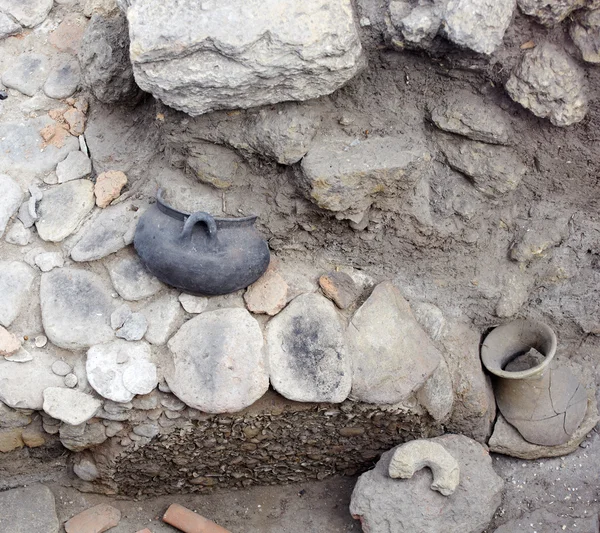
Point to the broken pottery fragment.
(417, 454)
(545, 404)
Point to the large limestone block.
(202, 56)
(307, 353)
(392, 356)
(219, 363)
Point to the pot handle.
(193, 219)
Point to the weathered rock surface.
(8, 26)
(219, 364)
(131, 279)
(28, 509)
(585, 32)
(477, 24)
(27, 73)
(386, 505)
(468, 115)
(63, 208)
(11, 196)
(340, 288)
(76, 308)
(104, 58)
(63, 80)
(82, 437)
(535, 239)
(307, 352)
(15, 282)
(342, 175)
(551, 12)
(94, 520)
(77, 165)
(23, 149)
(259, 52)
(437, 394)
(507, 440)
(133, 328)
(391, 355)
(71, 406)
(217, 165)
(48, 260)
(550, 84)
(38, 376)
(108, 187)
(494, 170)
(107, 233)
(18, 234)
(268, 295)
(548, 522)
(193, 304)
(28, 13)
(119, 370)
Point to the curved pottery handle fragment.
(193, 219)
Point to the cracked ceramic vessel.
(546, 405)
(200, 254)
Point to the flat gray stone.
(11, 197)
(8, 26)
(340, 175)
(71, 406)
(218, 361)
(60, 368)
(107, 364)
(585, 33)
(63, 209)
(23, 149)
(164, 316)
(64, 79)
(13, 418)
(493, 170)
(307, 354)
(544, 521)
(49, 260)
(477, 24)
(120, 314)
(29, 13)
(254, 56)
(112, 229)
(387, 505)
(36, 373)
(77, 165)
(82, 437)
(550, 84)
(131, 279)
(15, 284)
(466, 114)
(76, 308)
(18, 234)
(28, 509)
(193, 304)
(391, 355)
(134, 327)
(27, 73)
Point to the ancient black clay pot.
(545, 404)
(200, 254)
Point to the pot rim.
(491, 356)
(182, 215)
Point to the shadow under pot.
(545, 404)
(200, 254)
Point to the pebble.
(41, 341)
(9, 343)
(76, 121)
(48, 260)
(86, 469)
(64, 80)
(71, 381)
(60, 368)
(108, 187)
(119, 315)
(15, 283)
(63, 208)
(193, 304)
(77, 165)
(18, 234)
(146, 430)
(94, 520)
(71, 406)
(27, 73)
(11, 196)
(133, 328)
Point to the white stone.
(131, 279)
(60, 368)
(11, 196)
(29, 13)
(15, 283)
(49, 260)
(71, 406)
(106, 374)
(63, 208)
(76, 308)
(77, 165)
(8, 26)
(27, 73)
(306, 350)
(18, 234)
(134, 327)
(71, 380)
(218, 361)
(254, 52)
(63, 80)
(193, 304)
(164, 316)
